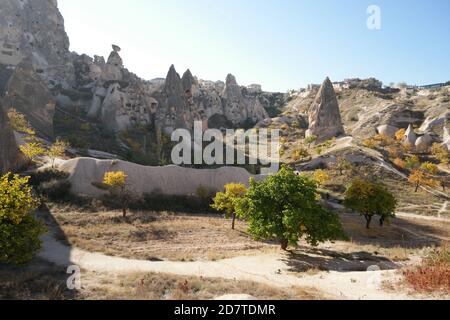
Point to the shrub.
(399, 163)
(370, 199)
(301, 153)
(310, 140)
(32, 150)
(321, 177)
(58, 149)
(226, 201)
(400, 134)
(19, 123)
(434, 273)
(342, 164)
(412, 162)
(429, 168)
(202, 192)
(440, 152)
(19, 230)
(56, 190)
(284, 207)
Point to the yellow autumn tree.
(419, 178)
(226, 201)
(116, 182)
(57, 150)
(321, 177)
(32, 150)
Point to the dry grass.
(43, 281)
(170, 287)
(158, 236)
(38, 281)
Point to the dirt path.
(266, 269)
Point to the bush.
(56, 190)
(19, 230)
(160, 202)
(434, 273)
(285, 207)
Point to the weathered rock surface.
(9, 153)
(325, 120)
(169, 180)
(424, 142)
(410, 137)
(387, 130)
(446, 138)
(28, 93)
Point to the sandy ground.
(266, 269)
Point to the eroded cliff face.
(39, 74)
(9, 153)
(34, 59)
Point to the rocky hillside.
(39, 74)
(364, 110)
(98, 104)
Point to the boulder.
(410, 137)
(424, 142)
(387, 130)
(325, 120)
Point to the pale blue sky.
(283, 44)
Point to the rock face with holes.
(9, 152)
(324, 115)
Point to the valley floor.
(331, 271)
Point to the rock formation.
(387, 130)
(9, 152)
(424, 142)
(324, 115)
(410, 137)
(446, 139)
(28, 94)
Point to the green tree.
(226, 201)
(285, 207)
(370, 199)
(19, 230)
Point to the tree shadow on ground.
(401, 232)
(306, 258)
